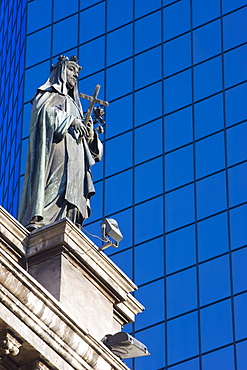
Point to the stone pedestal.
(59, 295)
(93, 290)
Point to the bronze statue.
(58, 181)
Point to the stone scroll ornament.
(63, 146)
(9, 344)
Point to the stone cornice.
(13, 233)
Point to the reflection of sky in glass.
(174, 170)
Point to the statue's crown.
(64, 58)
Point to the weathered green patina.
(58, 181)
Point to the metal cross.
(93, 100)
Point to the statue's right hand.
(79, 126)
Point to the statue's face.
(72, 73)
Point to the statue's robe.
(58, 177)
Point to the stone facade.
(59, 295)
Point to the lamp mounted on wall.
(110, 229)
(124, 345)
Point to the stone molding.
(34, 365)
(13, 236)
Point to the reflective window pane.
(177, 91)
(188, 365)
(204, 11)
(235, 66)
(62, 9)
(211, 195)
(116, 199)
(119, 80)
(228, 5)
(151, 296)
(209, 116)
(148, 180)
(87, 3)
(43, 39)
(87, 59)
(65, 35)
(210, 155)
(123, 260)
(179, 168)
(179, 207)
(148, 141)
(145, 39)
(181, 122)
(118, 153)
(212, 236)
(240, 307)
(88, 28)
(144, 7)
(238, 217)
(236, 108)
(216, 325)
(117, 8)
(221, 359)
(34, 78)
(214, 277)
(182, 337)
(157, 359)
(236, 139)
(237, 184)
(155, 223)
(241, 355)
(149, 266)
(148, 104)
(205, 85)
(43, 9)
(177, 54)
(207, 41)
(235, 28)
(143, 75)
(180, 11)
(87, 86)
(119, 44)
(239, 263)
(185, 299)
(180, 249)
(115, 126)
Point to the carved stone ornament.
(9, 344)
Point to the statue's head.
(69, 68)
(72, 73)
(64, 73)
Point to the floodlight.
(109, 228)
(125, 346)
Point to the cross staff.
(93, 100)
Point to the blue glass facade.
(12, 64)
(175, 165)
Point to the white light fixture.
(125, 346)
(109, 228)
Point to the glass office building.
(175, 165)
(12, 64)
